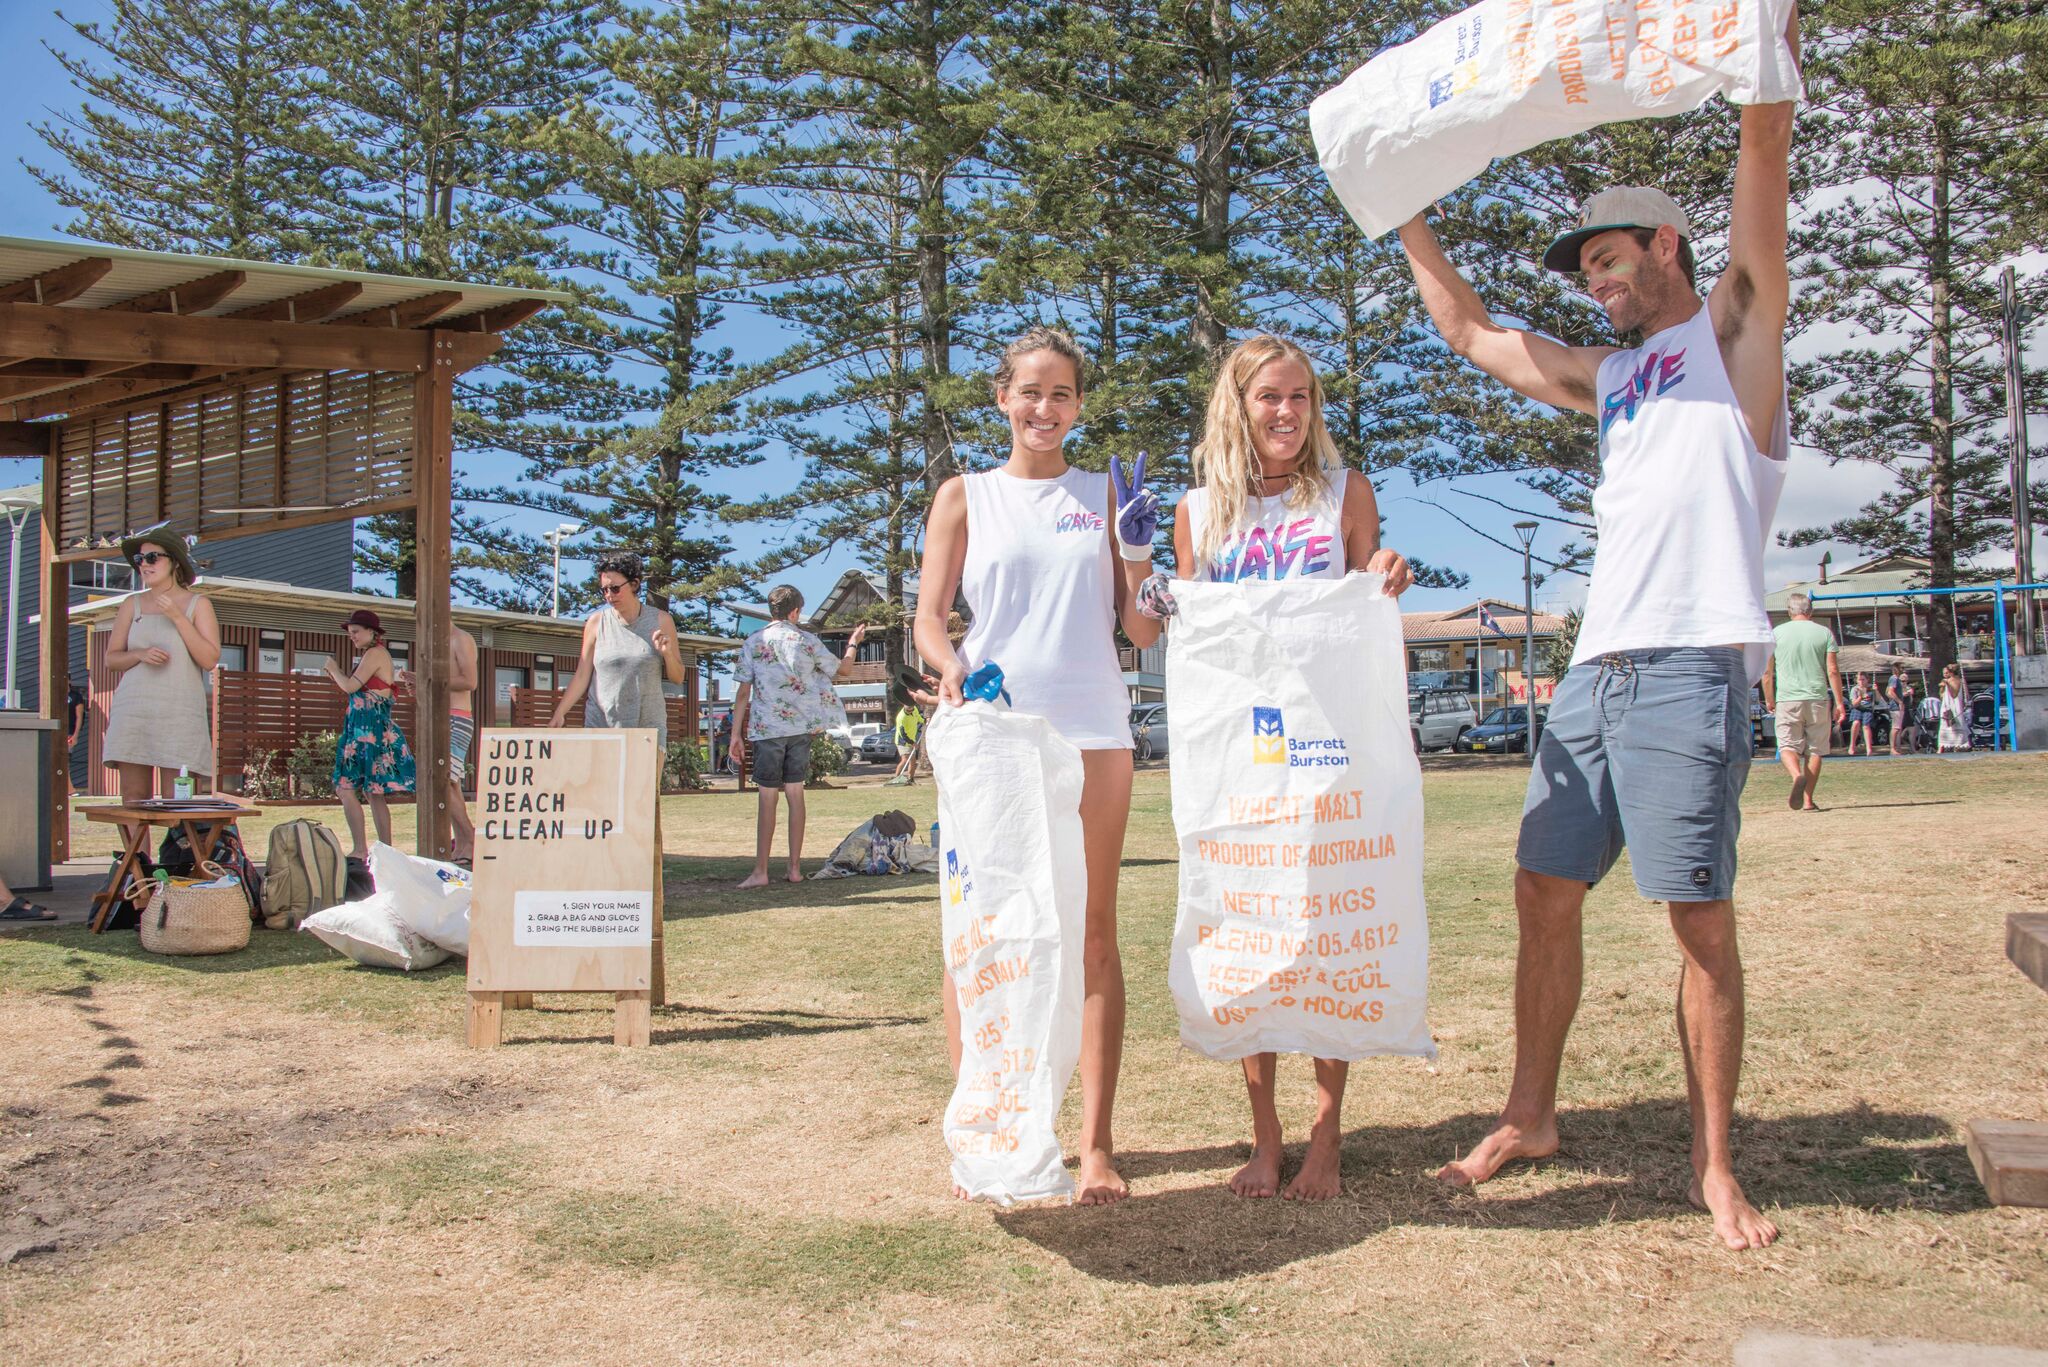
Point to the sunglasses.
(150, 557)
(609, 590)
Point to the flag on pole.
(1486, 620)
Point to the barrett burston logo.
(1269, 737)
(1659, 373)
(1464, 73)
(1285, 551)
(1079, 522)
(1272, 745)
(958, 884)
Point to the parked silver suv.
(1440, 717)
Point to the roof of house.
(134, 273)
(835, 598)
(269, 591)
(1885, 576)
(1462, 624)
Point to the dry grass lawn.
(277, 1157)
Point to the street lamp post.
(1527, 531)
(555, 539)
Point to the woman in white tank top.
(1277, 503)
(1029, 546)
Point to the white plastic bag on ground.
(371, 933)
(1013, 892)
(1421, 119)
(1298, 802)
(429, 896)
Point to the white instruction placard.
(598, 920)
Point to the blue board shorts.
(1648, 750)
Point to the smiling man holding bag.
(1648, 741)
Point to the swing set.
(2005, 717)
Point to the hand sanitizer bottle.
(182, 789)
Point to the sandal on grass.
(21, 909)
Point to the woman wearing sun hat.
(165, 639)
(371, 757)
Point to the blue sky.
(1414, 521)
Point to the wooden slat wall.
(274, 711)
(341, 437)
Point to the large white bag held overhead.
(1421, 119)
(1298, 802)
(1013, 892)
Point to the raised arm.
(945, 553)
(1750, 301)
(1535, 366)
(852, 656)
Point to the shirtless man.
(1648, 739)
(462, 684)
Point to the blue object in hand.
(1137, 511)
(985, 684)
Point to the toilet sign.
(567, 893)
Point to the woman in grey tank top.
(628, 648)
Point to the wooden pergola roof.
(119, 332)
(220, 398)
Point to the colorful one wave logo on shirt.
(958, 884)
(1079, 522)
(1289, 550)
(1659, 373)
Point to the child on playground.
(1034, 548)
(1274, 501)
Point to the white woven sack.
(1421, 119)
(1013, 893)
(371, 933)
(428, 895)
(1298, 802)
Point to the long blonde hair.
(1227, 461)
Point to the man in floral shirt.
(785, 678)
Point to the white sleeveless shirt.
(1684, 504)
(1037, 580)
(1273, 541)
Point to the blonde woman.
(1274, 501)
(1047, 577)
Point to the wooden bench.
(2011, 1156)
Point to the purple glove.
(1155, 598)
(1137, 510)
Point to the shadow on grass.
(699, 888)
(1620, 1164)
(709, 1025)
(267, 949)
(1880, 806)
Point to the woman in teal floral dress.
(371, 757)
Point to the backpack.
(304, 871)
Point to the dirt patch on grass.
(130, 1111)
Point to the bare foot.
(1812, 806)
(755, 880)
(1319, 1179)
(1260, 1177)
(1502, 1146)
(1100, 1184)
(1798, 794)
(1737, 1223)
(795, 875)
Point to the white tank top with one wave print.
(1039, 581)
(1272, 541)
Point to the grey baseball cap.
(1624, 206)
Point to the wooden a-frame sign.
(567, 894)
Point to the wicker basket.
(182, 919)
